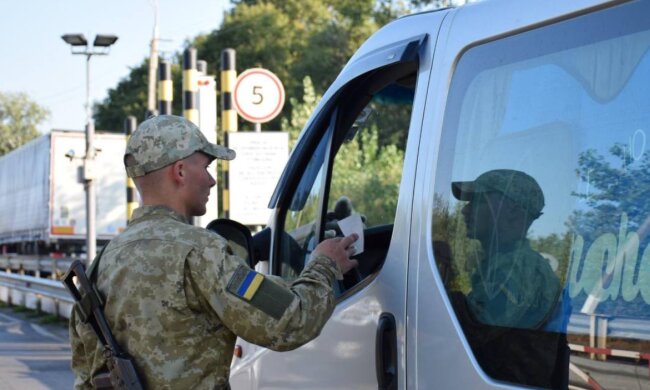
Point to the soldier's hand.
(339, 249)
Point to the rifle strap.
(84, 306)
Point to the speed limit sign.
(258, 95)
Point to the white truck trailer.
(42, 200)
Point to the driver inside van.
(513, 289)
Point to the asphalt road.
(33, 356)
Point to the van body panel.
(438, 355)
(432, 348)
(343, 356)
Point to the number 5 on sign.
(258, 95)
(257, 91)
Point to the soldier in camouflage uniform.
(176, 296)
(514, 291)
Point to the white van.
(497, 154)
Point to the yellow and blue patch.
(245, 283)
(256, 291)
(249, 286)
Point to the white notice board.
(253, 174)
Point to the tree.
(129, 97)
(300, 111)
(262, 35)
(292, 38)
(19, 117)
(617, 185)
(457, 256)
(363, 167)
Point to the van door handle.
(386, 352)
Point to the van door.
(351, 159)
(536, 232)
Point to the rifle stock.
(122, 374)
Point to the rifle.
(121, 370)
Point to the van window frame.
(386, 61)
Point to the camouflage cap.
(165, 139)
(517, 186)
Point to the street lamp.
(101, 46)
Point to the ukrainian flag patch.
(260, 293)
(245, 283)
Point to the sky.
(38, 62)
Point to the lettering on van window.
(585, 196)
(637, 144)
(609, 265)
(610, 255)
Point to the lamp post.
(101, 46)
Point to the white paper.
(353, 224)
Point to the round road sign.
(258, 95)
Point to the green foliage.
(22, 309)
(558, 246)
(456, 255)
(262, 36)
(300, 111)
(617, 185)
(294, 39)
(363, 169)
(368, 168)
(19, 117)
(130, 98)
(387, 10)
(367, 173)
(47, 319)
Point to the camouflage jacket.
(514, 288)
(177, 297)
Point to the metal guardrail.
(616, 327)
(50, 295)
(36, 293)
(35, 264)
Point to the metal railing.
(54, 266)
(35, 293)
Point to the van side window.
(541, 217)
(355, 170)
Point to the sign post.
(258, 97)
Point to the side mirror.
(238, 235)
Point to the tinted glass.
(542, 207)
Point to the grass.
(42, 317)
(22, 309)
(52, 319)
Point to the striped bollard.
(190, 86)
(165, 88)
(131, 200)
(228, 116)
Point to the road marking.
(8, 318)
(44, 332)
(11, 328)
